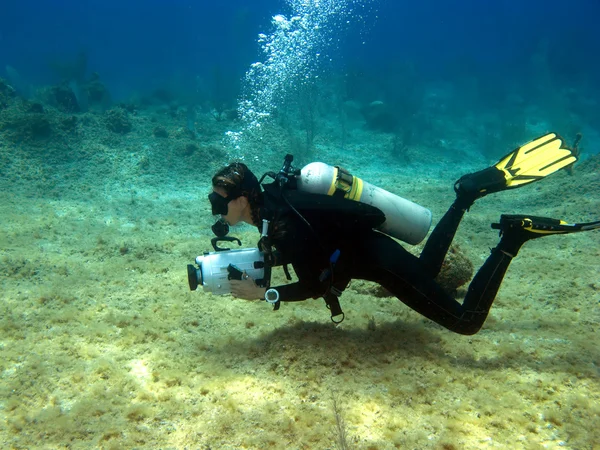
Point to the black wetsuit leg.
(441, 237)
(381, 259)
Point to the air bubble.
(293, 50)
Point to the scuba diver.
(330, 240)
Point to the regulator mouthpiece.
(220, 228)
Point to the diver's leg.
(468, 189)
(482, 292)
(422, 294)
(441, 237)
(386, 262)
(515, 231)
(524, 165)
(402, 274)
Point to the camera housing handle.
(214, 241)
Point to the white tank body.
(404, 219)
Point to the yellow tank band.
(332, 186)
(353, 191)
(356, 191)
(343, 185)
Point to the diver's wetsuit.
(371, 255)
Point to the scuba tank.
(405, 220)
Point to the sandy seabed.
(102, 345)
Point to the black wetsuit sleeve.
(295, 292)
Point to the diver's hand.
(247, 289)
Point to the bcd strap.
(286, 271)
(333, 304)
(336, 287)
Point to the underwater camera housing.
(215, 270)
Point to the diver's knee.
(467, 328)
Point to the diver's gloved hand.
(247, 289)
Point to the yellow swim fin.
(536, 160)
(530, 162)
(536, 226)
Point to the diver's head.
(236, 194)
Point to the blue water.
(534, 61)
(139, 44)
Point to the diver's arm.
(300, 248)
(293, 292)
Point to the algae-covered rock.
(160, 132)
(97, 92)
(7, 93)
(63, 97)
(456, 271)
(380, 117)
(117, 120)
(25, 123)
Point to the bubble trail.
(292, 55)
